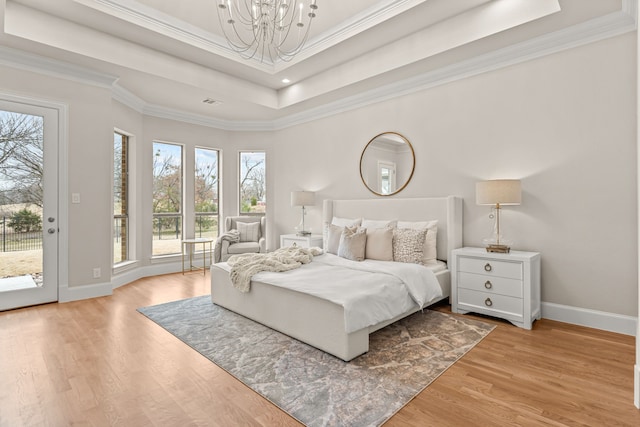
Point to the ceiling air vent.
(211, 101)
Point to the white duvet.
(370, 291)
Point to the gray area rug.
(312, 386)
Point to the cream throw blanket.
(231, 236)
(244, 266)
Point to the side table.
(189, 246)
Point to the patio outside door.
(28, 204)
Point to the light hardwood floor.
(99, 362)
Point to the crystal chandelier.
(266, 28)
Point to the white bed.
(319, 322)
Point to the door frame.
(63, 180)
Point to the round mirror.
(387, 164)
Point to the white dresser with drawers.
(496, 284)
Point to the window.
(253, 183)
(167, 198)
(206, 193)
(120, 198)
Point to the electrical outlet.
(75, 197)
(96, 273)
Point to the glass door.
(28, 205)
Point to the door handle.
(51, 230)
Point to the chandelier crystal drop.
(266, 28)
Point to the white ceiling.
(166, 56)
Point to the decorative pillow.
(353, 244)
(430, 248)
(372, 223)
(408, 245)
(333, 239)
(342, 222)
(379, 244)
(249, 231)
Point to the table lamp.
(303, 198)
(498, 193)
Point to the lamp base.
(303, 233)
(503, 249)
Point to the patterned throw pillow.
(430, 249)
(353, 243)
(408, 245)
(249, 231)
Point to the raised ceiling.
(165, 57)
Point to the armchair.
(252, 237)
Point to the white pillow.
(249, 231)
(353, 244)
(372, 223)
(379, 244)
(333, 239)
(430, 250)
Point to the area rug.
(312, 386)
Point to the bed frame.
(318, 322)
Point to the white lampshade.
(303, 198)
(499, 191)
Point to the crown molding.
(591, 31)
(594, 30)
(196, 119)
(39, 64)
(127, 98)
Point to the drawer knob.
(488, 284)
(488, 302)
(487, 267)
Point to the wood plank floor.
(99, 362)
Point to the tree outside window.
(206, 192)
(253, 183)
(167, 198)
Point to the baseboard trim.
(636, 386)
(591, 318)
(146, 271)
(76, 293)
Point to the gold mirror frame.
(393, 144)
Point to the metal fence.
(11, 241)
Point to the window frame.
(124, 233)
(179, 214)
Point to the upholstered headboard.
(447, 210)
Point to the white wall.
(563, 124)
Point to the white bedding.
(370, 291)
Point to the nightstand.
(501, 285)
(310, 241)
